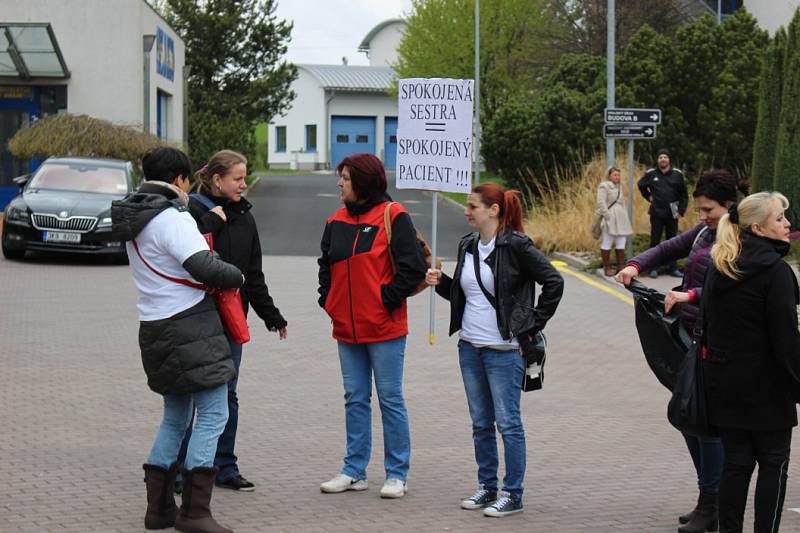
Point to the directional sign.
(621, 131)
(633, 116)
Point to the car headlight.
(18, 213)
(104, 222)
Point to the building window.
(163, 114)
(342, 138)
(311, 137)
(362, 138)
(280, 138)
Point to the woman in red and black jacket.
(364, 280)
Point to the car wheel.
(14, 254)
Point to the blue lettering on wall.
(165, 55)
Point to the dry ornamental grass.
(560, 217)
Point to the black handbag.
(688, 408)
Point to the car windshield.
(82, 177)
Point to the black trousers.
(669, 226)
(743, 449)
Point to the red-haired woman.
(366, 300)
(492, 301)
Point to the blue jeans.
(225, 459)
(708, 457)
(212, 413)
(493, 381)
(359, 362)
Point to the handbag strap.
(476, 262)
(186, 282)
(619, 193)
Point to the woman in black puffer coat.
(752, 357)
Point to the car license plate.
(61, 236)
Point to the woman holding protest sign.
(365, 277)
(491, 298)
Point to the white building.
(87, 57)
(341, 109)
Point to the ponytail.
(220, 163)
(727, 247)
(510, 215)
(512, 211)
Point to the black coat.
(237, 243)
(516, 264)
(661, 189)
(753, 344)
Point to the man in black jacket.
(665, 188)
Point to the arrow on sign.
(624, 131)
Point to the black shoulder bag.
(688, 409)
(532, 346)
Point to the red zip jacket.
(365, 300)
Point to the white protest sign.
(434, 134)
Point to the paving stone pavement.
(78, 419)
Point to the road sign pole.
(629, 245)
(432, 323)
(610, 58)
(477, 153)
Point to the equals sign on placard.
(434, 126)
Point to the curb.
(571, 260)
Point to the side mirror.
(21, 181)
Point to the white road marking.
(327, 195)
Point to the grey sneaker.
(480, 499)
(342, 482)
(394, 488)
(505, 505)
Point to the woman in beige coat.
(613, 220)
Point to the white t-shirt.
(479, 323)
(168, 240)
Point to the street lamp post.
(610, 57)
(147, 46)
(187, 71)
(477, 153)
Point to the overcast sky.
(326, 30)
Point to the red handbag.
(229, 301)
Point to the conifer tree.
(769, 108)
(787, 152)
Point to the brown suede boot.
(620, 259)
(195, 515)
(161, 508)
(606, 255)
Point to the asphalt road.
(291, 209)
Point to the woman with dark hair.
(751, 361)
(714, 193)
(184, 351)
(364, 280)
(492, 296)
(219, 208)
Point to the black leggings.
(743, 449)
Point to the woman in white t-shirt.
(185, 354)
(492, 295)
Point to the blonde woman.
(614, 220)
(752, 358)
(220, 208)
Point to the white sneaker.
(342, 482)
(394, 488)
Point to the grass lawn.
(260, 164)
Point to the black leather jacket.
(516, 265)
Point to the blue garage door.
(351, 135)
(390, 142)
